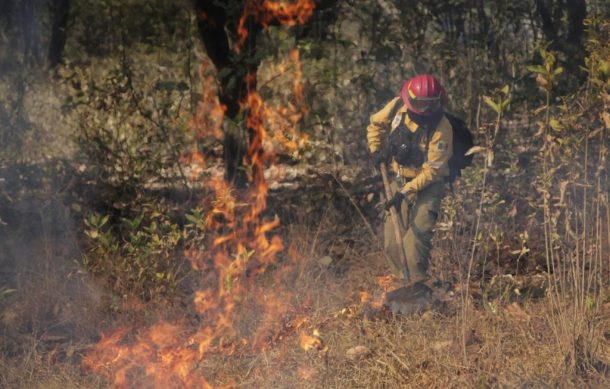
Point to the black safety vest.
(405, 145)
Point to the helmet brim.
(424, 107)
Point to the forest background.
(187, 198)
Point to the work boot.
(409, 299)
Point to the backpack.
(462, 142)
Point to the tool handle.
(395, 220)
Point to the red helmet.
(423, 94)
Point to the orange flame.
(241, 245)
(210, 113)
(388, 282)
(281, 121)
(308, 342)
(267, 12)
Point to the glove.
(381, 156)
(395, 201)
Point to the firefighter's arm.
(436, 168)
(375, 132)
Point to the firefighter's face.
(425, 106)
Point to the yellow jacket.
(440, 147)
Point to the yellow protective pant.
(420, 217)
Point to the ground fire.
(304, 194)
(242, 246)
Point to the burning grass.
(316, 316)
(242, 248)
(508, 344)
(296, 305)
(304, 338)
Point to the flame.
(241, 245)
(308, 342)
(266, 12)
(160, 353)
(210, 113)
(365, 297)
(388, 282)
(282, 120)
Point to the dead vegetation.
(520, 252)
(334, 333)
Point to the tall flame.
(282, 120)
(241, 246)
(210, 113)
(267, 12)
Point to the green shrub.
(141, 255)
(130, 134)
(131, 114)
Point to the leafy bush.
(13, 122)
(131, 132)
(99, 27)
(130, 136)
(141, 255)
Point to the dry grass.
(509, 343)
(56, 310)
(56, 313)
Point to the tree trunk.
(563, 26)
(237, 77)
(548, 26)
(60, 11)
(577, 13)
(237, 70)
(6, 15)
(211, 21)
(30, 32)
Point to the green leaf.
(182, 86)
(505, 89)
(590, 303)
(228, 282)
(93, 234)
(6, 291)
(491, 103)
(555, 124)
(536, 69)
(504, 104)
(232, 83)
(167, 85)
(558, 71)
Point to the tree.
(60, 10)
(229, 32)
(30, 30)
(563, 26)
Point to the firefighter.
(414, 136)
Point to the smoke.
(47, 297)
